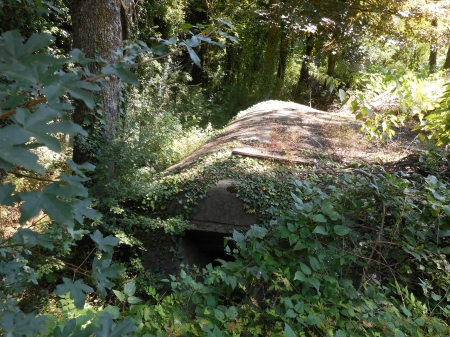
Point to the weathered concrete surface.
(289, 131)
(278, 131)
(221, 211)
(216, 216)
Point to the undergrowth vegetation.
(361, 254)
(386, 100)
(340, 249)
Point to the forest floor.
(287, 131)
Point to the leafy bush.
(387, 101)
(437, 123)
(362, 255)
(31, 96)
(36, 89)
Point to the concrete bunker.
(280, 132)
(215, 218)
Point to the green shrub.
(358, 255)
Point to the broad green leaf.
(172, 40)
(232, 281)
(17, 324)
(113, 311)
(13, 102)
(122, 73)
(257, 231)
(399, 333)
(6, 197)
(319, 218)
(238, 237)
(69, 327)
(406, 311)
(120, 295)
(192, 42)
(420, 321)
(31, 238)
(305, 232)
(320, 230)
(104, 243)
(159, 49)
(227, 22)
(48, 200)
(444, 233)
(37, 42)
(106, 324)
(133, 300)
(103, 271)
(342, 95)
(194, 56)
(231, 313)
(341, 230)
(305, 268)
(80, 209)
(332, 86)
(71, 83)
(290, 313)
(14, 47)
(79, 57)
(315, 264)
(340, 333)
(288, 332)
(315, 283)
(300, 276)
(11, 155)
(219, 314)
(130, 288)
(76, 289)
(293, 238)
(186, 26)
(436, 297)
(76, 234)
(208, 40)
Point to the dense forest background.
(97, 98)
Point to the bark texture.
(272, 49)
(285, 40)
(97, 28)
(447, 59)
(304, 72)
(331, 63)
(433, 48)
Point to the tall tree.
(273, 40)
(447, 60)
(98, 28)
(433, 47)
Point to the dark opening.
(202, 248)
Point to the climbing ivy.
(362, 254)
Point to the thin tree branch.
(20, 175)
(28, 105)
(70, 266)
(94, 78)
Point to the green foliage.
(32, 96)
(362, 254)
(387, 101)
(437, 123)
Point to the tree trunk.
(283, 58)
(97, 28)
(331, 63)
(447, 59)
(270, 62)
(433, 48)
(304, 72)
